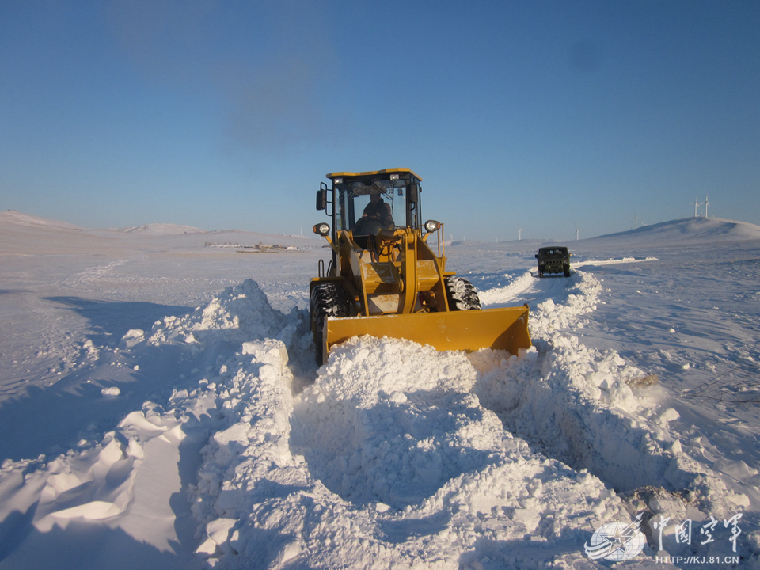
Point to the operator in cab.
(376, 212)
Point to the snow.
(164, 410)
(163, 229)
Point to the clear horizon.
(463, 238)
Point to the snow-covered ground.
(161, 408)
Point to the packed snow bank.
(590, 408)
(498, 296)
(132, 479)
(128, 482)
(391, 422)
(238, 314)
(388, 459)
(622, 261)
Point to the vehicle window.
(377, 206)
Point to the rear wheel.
(327, 300)
(462, 295)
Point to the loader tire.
(327, 300)
(462, 295)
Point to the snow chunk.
(669, 415)
(219, 529)
(96, 510)
(267, 351)
(110, 392)
(132, 338)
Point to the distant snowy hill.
(674, 232)
(31, 234)
(687, 230)
(12, 218)
(163, 229)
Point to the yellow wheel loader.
(385, 279)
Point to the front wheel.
(326, 300)
(462, 295)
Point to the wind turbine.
(707, 203)
(636, 221)
(696, 205)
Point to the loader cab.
(354, 198)
(367, 202)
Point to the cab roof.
(371, 174)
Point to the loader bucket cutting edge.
(504, 328)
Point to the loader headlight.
(432, 225)
(394, 176)
(322, 229)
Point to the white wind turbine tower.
(635, 221)
(707, 203)
(696, 205)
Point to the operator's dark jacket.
(380, 212)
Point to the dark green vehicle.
(553, 260)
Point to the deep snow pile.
(388, 459)
(593, 410)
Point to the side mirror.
(414, 193)
(536, 256)
(321, 199)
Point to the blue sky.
(542, 116)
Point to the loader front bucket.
(505, 329)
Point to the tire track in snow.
(92, 274)
(527, 289)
